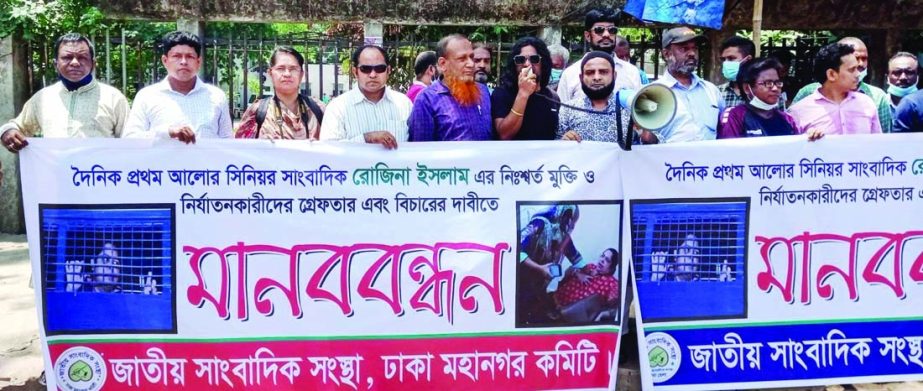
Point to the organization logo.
(664, 355)
(80, 369)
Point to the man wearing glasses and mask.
(600, 33)
(371, 112)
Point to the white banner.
(776, 262)
(318, 265)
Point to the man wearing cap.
(600, 33)
(698, 102)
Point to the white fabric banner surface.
(325, 265)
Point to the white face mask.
(758, 103)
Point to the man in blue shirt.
(908, 117)
(699, 102)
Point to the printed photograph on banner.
(690, 258)
(569, 263)
(108, 268)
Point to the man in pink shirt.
(425, 69)
(835, 108)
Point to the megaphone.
(652, 107)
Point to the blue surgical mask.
(759, 103)
(901, 92)
(863, 74)
(729, 69)
(556, 75)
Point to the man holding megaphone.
(597, 115)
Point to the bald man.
(879, 96)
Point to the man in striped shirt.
(372, 112)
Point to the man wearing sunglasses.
(455, 108)
(600, 33)
(519, 113)
(372, 112)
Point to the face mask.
(863, 74)
(901, 92)
(759, 104)
(556, 75)
(729, 69)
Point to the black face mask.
(602, 93)
(73, 85)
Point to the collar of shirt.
(850, 95)
(89, 86)
(671, 81)
(356, 96)
(439, 87)
(419, 83)
(164, 85)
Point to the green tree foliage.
(48, 18)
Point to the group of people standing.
(537, 96)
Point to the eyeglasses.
(379, 68)
(599, 30)
(771, 83)
(533, 59)
(282, 69)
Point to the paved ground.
(20, 352)
(21, 355)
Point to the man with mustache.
(903, 75)
(600, 33)
(181, 106)
(455, 108)
(879, 96)
(77, 106)
(482, 61)
(597, 83)
(698, 102)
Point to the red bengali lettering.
(783, 278)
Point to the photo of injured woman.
(569, 268)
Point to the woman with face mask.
(761, 83)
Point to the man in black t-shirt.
(522, 105)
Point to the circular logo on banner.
(80, 369)
(664, 354)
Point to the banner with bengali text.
(293, 265)
(777, 262)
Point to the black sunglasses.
(380, 68)
(533, 59)
(599, 30)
